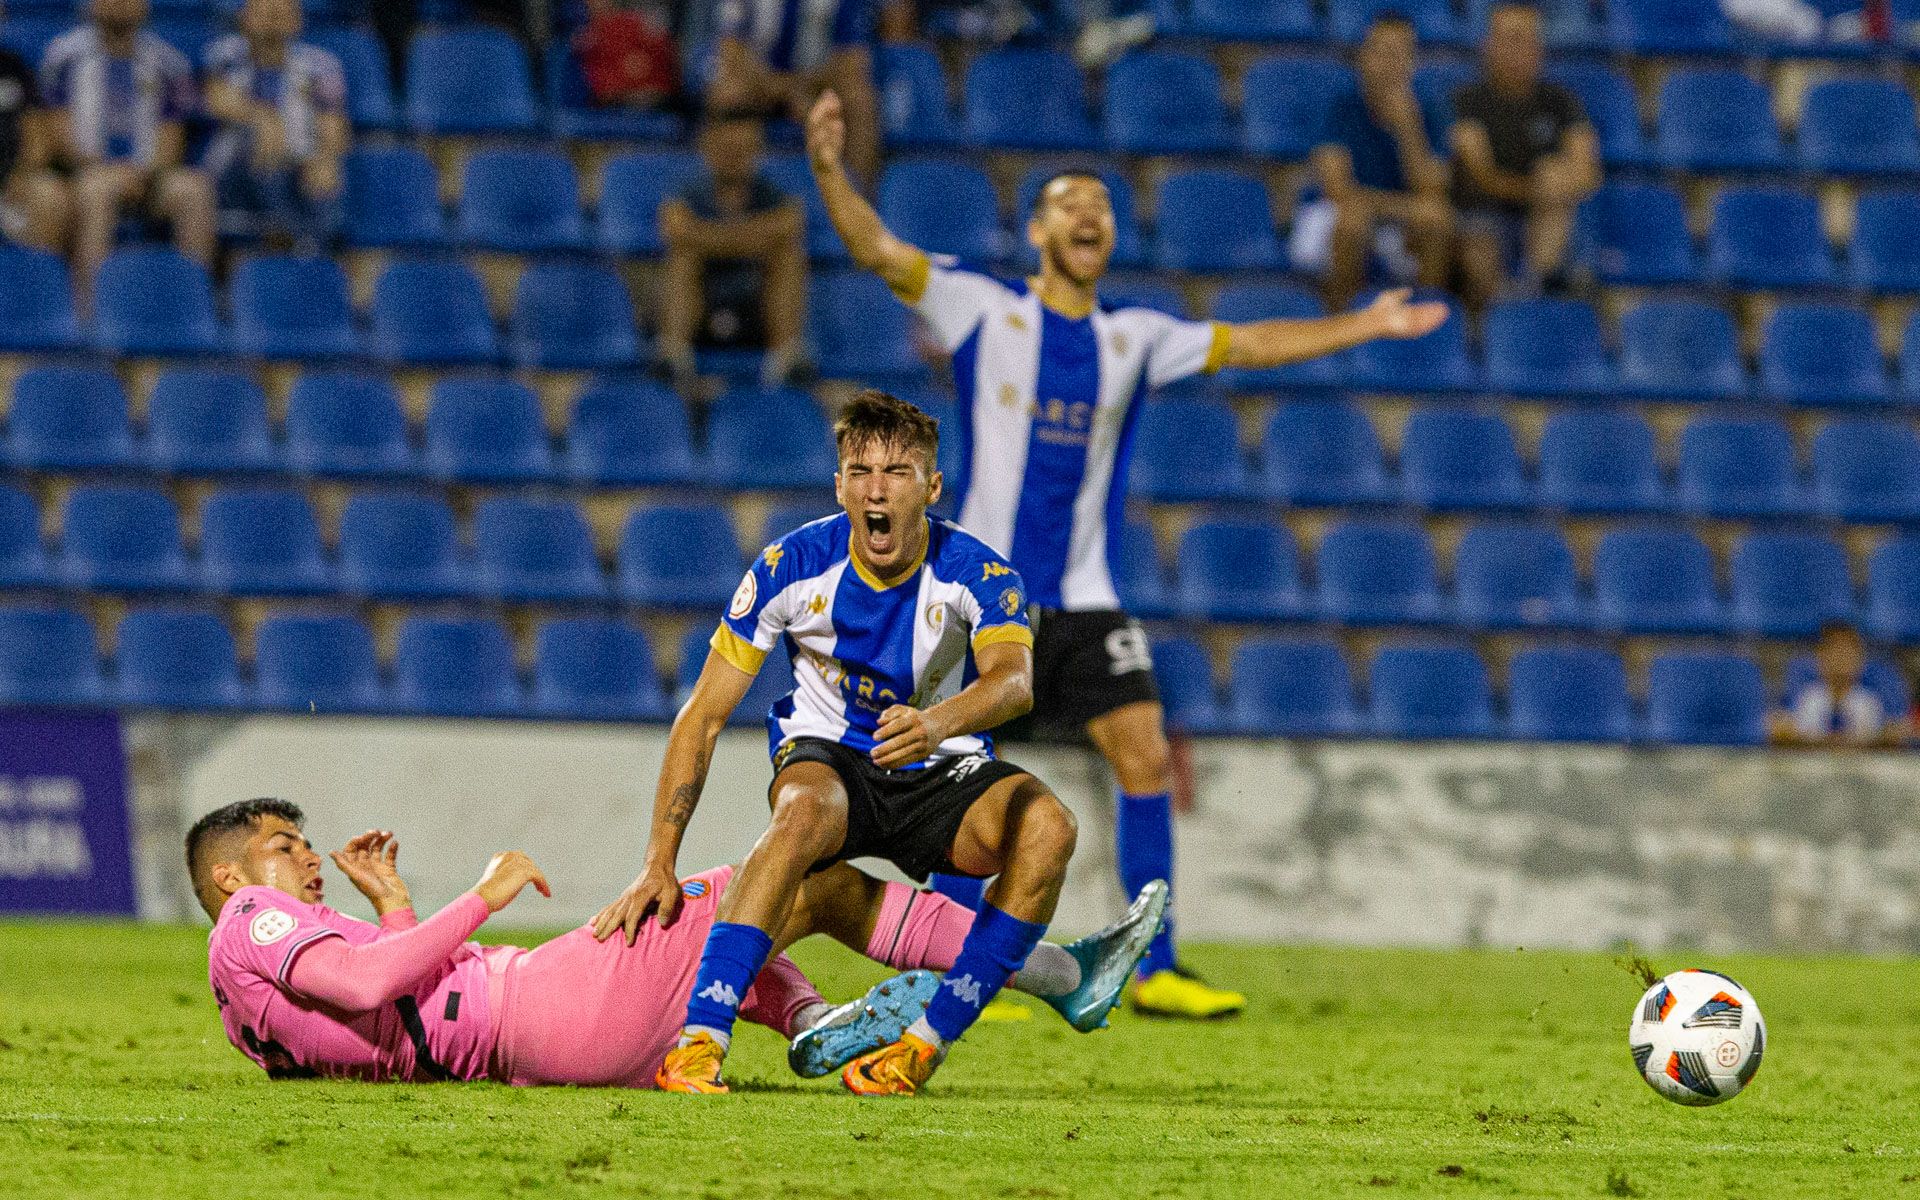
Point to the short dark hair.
(1040, 197)
(241, 814)
(1837, 627)
(716, 117)
(1390, 16)
(1508, 5)
(874, 416)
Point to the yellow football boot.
(1175, 993)
(899, 1069)
(693, 1068)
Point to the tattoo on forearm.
(687, 795)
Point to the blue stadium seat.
(1235, 570)
(572, 112)
(1163, 102)
(432, 314)
(1292, 687)
(1515, 577)
(1379, 573)
(1430, 691)
(455, 667)
(1789, 584)
(632, 188)
(364, 62)
(1433, 20)
(915, 112)
(944, 208)
(1867, 470)
(208, 422)
(262, 542)
(1568, 694)
(1434, 85)
(1004, 109)
(1265, 301)
(1717, 120)
(294, 308)
(1324, 452)
(1738, 467)
(486, 430)
(1910, 359)
(520, 202)
(534, 550)
(774, 681)
(390, 199)
(36, 302)
(1681, 350)
(1768, 237)
(1824, 355)
(630, 435)
(48, 656)
(1187, 693)
(679, 556)
(341, 423)
(1859, 127)
(573, 316)
(29, 34)
(23, 553)
(400, 547)
(596, 669)
(1146, 293)
(783, 519)
(122, 539)
(68, 418)
(1284, 101)
(176, 658)
(1599, 461)
(1705, 699)
(790, 173)
(743, 424)
(468, 80)
(316, 664)
(1546, 348)
(1253, 20)
(1139, 575)
(1884, 256)
(1438, 362)
(1215, 220)
(1129, 248)
(1454, 458)
(1187, 450)
(1636, 233)
(1654, 581)
(861, 332)
(1608, 97)
(1893, 590)
(153, 301)
(1683, 27)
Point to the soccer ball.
(1697, 1037)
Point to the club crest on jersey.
(270, 926)
(693, 889)
(1011, 602)
(743, 597)
(936, 616)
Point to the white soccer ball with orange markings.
(1697, 1037)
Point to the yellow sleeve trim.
(1217, 353)
(915, 285)
(737, 650)
(996, 634)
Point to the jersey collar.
(880, 585)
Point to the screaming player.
(908, 639)
(1050, 387)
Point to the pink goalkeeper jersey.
(439, 1029)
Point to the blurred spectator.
(1384, 190)
(119, 96)
(33, 205)
(281, 105)
(626, 55)
(777, 55)
(736, 266)
(1525, 157)
(1838, 697)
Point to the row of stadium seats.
(600, 669)
(268, 542)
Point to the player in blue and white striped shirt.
(1051, 384)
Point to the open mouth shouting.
(882, 539)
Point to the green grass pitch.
(1356, 1073)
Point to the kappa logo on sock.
(964, 988)
(721, 993)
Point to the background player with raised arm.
(1050, 386)
(304, 990)
(909, 637)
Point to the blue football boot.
(1107, 960)
(861, 1026)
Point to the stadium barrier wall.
(1445, 844)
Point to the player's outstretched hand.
(1400, 319)
(368, 862)
(826, 132)
(656, 892)
(505, 876)
(905, 736)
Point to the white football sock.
(725, 1039)
(1050, 971)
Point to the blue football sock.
(963, 890)
(1143, 833)
(996, 947)
(733, 956)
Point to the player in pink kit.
(307, 991)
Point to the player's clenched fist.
(657, 891)
(826, 131)
(905, 736)
(505, 876)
